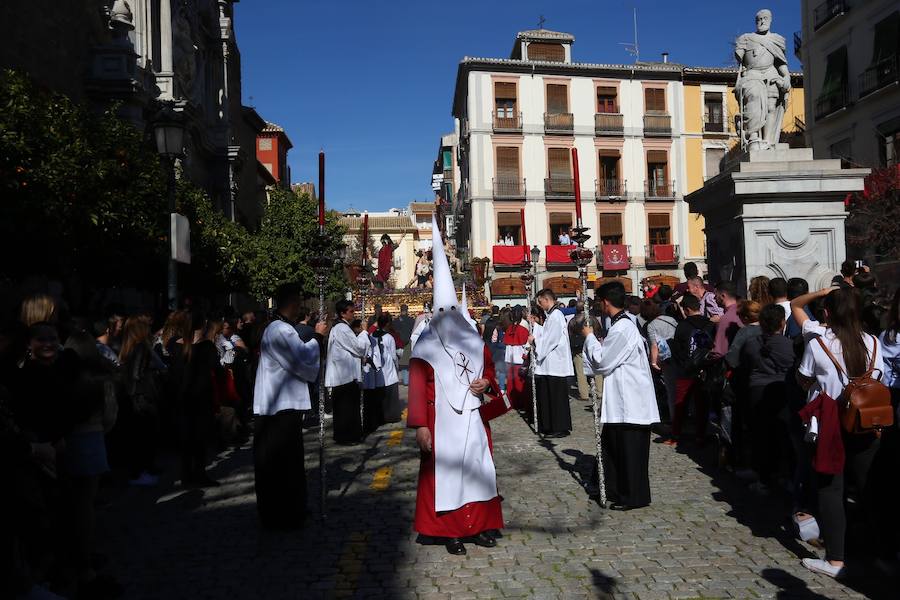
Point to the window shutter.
(657, 156)
(560, 218)
(557, 99)
(606, 100)
(658, 220)
(547, 52)
(608, 152)
(507, 162)
(610, 224)
(559, 163)
(655, 99)
(505, 91)
(508, 219)
(835, 72)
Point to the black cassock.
(626, 454)
(346, 422)
(554, 415)
(278, 462)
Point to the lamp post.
(535, 257)
(168, 129)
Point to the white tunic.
(345, 352)
(621, 358)
(553, 356)
(385, 360)
(286, 366)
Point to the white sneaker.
(807, 528)
(817, 565)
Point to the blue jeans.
(404, 375)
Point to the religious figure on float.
(763, 84)
(385, 261)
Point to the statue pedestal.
(779, 213)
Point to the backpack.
(865, 404)
(700, 352)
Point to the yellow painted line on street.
(350, 565)
(404, 413)
(382, 479)
(395, 438)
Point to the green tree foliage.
(82, 192)
(284, 248)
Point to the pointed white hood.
(464, 307)
(444, 293)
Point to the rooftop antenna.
(633, 49)
(541, 22)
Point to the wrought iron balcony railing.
(557, 188)
(879, 75)
(832, 102)
(610, 188)
(657, 125)
(507, 124)
(509, 188)
(656, 190)
(608, 124)
(828, 10)
(559, 123)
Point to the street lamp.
(168, 129)
(535, 256)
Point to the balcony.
(832, 102)
(560, 123)
(608, 124)
(879, 75)
(559, 257)
(798, 45)
(658, 125)
(662, 255)
(509, 258)
(507, 124)
(828, 10)
(613, 257)
(509, 188)
(610, 188)
(714, 126)
(654, 190)
(559, 188)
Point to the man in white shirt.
(564, 239)
(553, 367)
(343, 372)
(628, 406)
(287, 365)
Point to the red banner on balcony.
(509, 255)
(615, 257)
(559, 254)
(664, 254)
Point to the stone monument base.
(776, 212)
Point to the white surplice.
(286, 367)
(553, 355)
(621, 358)
(343, 363)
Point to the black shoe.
(455, 546)
(484, 540)
(494, 533)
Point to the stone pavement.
(704, 535)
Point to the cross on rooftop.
(541, 22)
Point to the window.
(610, 225)
(509, 226)
(606, 100)
(557, 99)
(447, 159)
(835, 93)
(712, 112)
(887, 38)
(505, 100)
(658, 226)
(889, 149)
(558, 159)
(265, 143)
(657, 173)
(547, 52)
(608, 183)
(655, 100)
(840, 149)
(507, 163)
(559, 223)
(714, 158)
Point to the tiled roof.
(421, 206)
(545, 34)
(380, 224)
(641, 66)
(273, 128)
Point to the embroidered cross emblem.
(462, 363)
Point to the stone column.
(165, 36)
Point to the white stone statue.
(763, 83)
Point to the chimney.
(665, 57)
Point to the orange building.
(272, 145)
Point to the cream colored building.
(646, 135)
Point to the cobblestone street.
(703, 536)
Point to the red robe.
(474, 517)
(516, 387)
(385, 262)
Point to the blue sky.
(372, 82)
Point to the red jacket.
(829, 457)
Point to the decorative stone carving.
(763, 83)
(185, 56)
